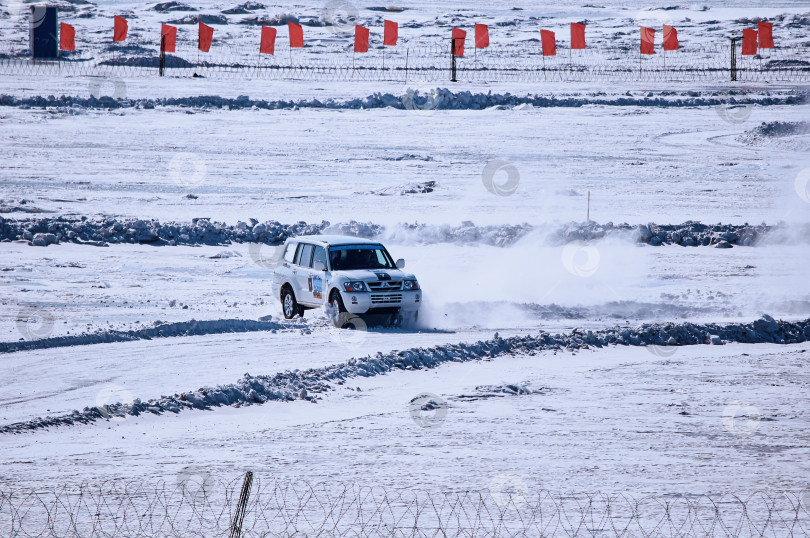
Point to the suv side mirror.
(319, 266)
(400, 263)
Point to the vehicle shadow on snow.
(377, 323)
(382, 326)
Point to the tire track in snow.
(307, 384)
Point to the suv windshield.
(348, 257)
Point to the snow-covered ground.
(478, 192)
(685, 162)
(617, 419)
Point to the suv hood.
(375, 274)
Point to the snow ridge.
(160, 330)
(307, 384)
(416, 99)
(101, 232)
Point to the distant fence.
(200, 505)
(429, 63)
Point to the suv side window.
(305, 255)
(289, 254)
(319, 256)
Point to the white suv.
(348, 275)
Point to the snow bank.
(308, 384)
(437, 98)
(45, 231)
(787, 135)
(687, 234)
(159, 330)
(101, 232)
(467, 233)
(778, 129)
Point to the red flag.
(170, 33)
(206, 37)
(391, 33)
(647, 40)
(749, 47)
(481, 36)
(549, 43)
(268, 44)
(120, 29)
(577, 36)
(458, 37)
(670, 38)
(360, 38)
(67, 37)
(765, 35)
(296, 35)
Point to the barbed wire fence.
(430, 62)
(202, 505)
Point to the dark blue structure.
(43, 33)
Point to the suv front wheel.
(341, 318)
(336, 303)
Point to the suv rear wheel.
(289, 306)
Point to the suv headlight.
(356, 285)
(410, 285)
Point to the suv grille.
(385, 285)
(387, 298)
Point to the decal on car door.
(316, 286)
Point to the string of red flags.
(168, 36)
(268, 44)
(206, 36)
(671, 38)
(458, 36)
(481, 36)
(549, 40)
(577, 36)
(390, 33)
(752, 41)
(749, 44)
(296, 35)
(120, 27)
(67, 37)
(360, 38)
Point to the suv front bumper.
(369, 301)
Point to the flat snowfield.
(691, 420)
(615, 278)
(640, 163)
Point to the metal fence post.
(453, 59)
(734, 59)
(162, 66)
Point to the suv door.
(284, 270)
(303, 262)
(316, 281)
